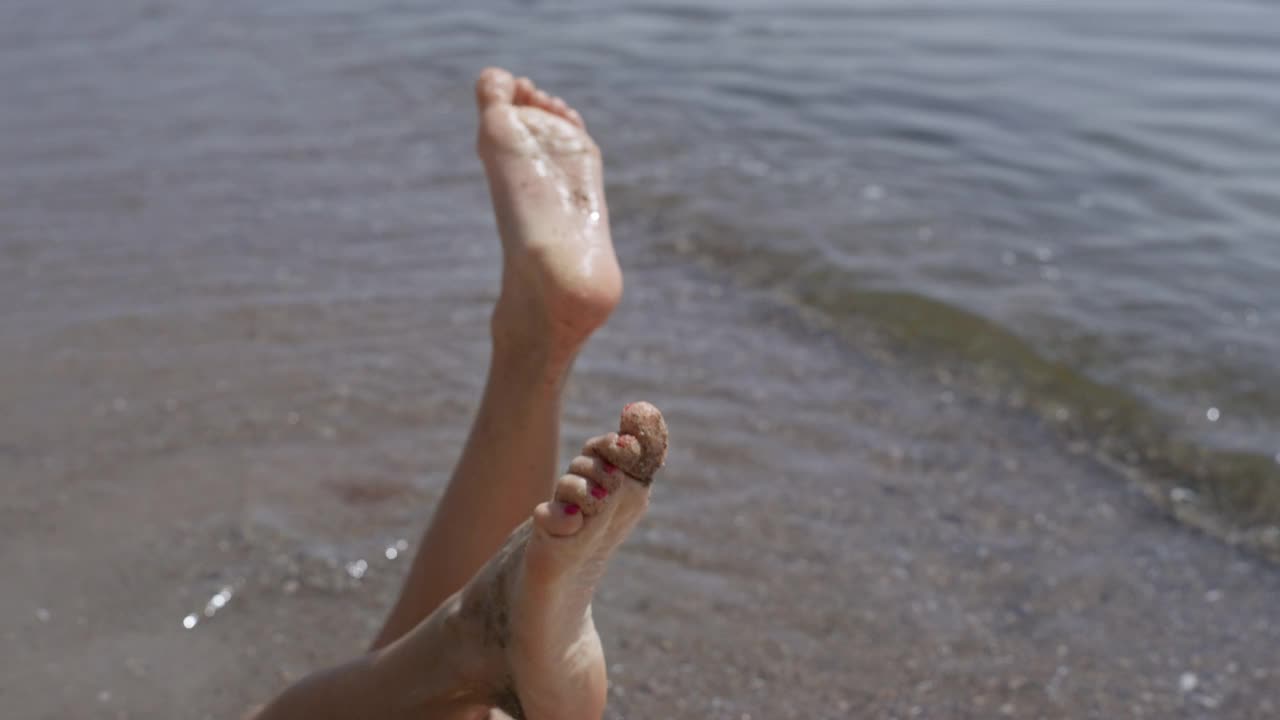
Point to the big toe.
(640, 445)
(645, 423)
(495, 86)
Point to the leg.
(519, 636)
(560, 281)
(550, 663)
(423, 675)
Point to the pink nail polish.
(598, 492)
(608, 466)
(571, 509)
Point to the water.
(1098, 181)
(246, 262)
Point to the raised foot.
(561, 279)
(532, 602)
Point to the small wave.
(1233, 495)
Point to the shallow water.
(1099, 181)
(246, 262)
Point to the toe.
(495, 86)
(640, 448)
(557, 105)
(644, 422)
(604, 476)
(576, 490)
(525, 91)
(622, 451)
(556, 519)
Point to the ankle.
(531, 350)
(557, 317)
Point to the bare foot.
(530, 606)
(560, 276)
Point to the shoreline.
(1232, 495)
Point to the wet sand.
(836, 535)
(245, 325)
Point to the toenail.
(608, 466)
(598, 492)
(571, 509)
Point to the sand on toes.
(560, 273)
(533, 600)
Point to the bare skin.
(533, 600)
(560, 282)
(519, 635)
